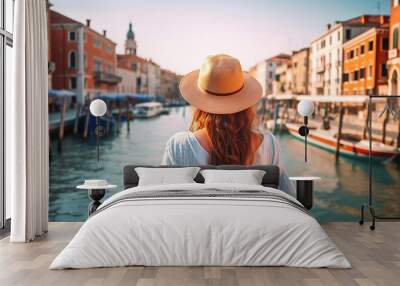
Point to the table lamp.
(305, 108)
(98, 108)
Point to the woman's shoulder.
(268, 137)
(180, 138)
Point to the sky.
(179, 34)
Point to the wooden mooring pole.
(86, 128)
(398, 136)
(62, 125)
(385, 122)
(127, 116)
(339, 133)
(276, 115)
(119, 116)
(366, 122)
(79, 110)
(284, 116)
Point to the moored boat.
(351, 145)
(148, 109)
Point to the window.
(72, 60)
(370, 71)
(271, 75)
(385, 43)
(138, 85)
(97, 65)
(6, 64)
(395, 38)
(371, 46)
(384, 71)
(362, 73)
(323, 44)
(356, 52)
(330, 40)
(338, 35)
(97, 43)
(109, 49)
(348, 34)
(351, 54)
(355, 75)
(72, 36)
(134, 66)
(72, 82)
(362, 49)
(345, 77)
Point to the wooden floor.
(375, 257)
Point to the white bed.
(185, 230)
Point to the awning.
(60, 93)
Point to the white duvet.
(200, 231)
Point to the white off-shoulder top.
(184, 149)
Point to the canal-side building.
(153, 83)
(300, 71)
(265, 71)
(283, 82)
(394, 54)
(138, 66)
(148, 73)
(364, 64)
(169, 85)
(128, 80)
(85, 60)
(326, 54)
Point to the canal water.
(338, 196)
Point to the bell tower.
(130, 43)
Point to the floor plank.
(375, 257)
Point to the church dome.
(130, 35)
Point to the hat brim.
(248, 96)
(88, 187)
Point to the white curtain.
(27, 124)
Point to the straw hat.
(220, 86)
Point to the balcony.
(320, 69)
(393, 53)
(102, 77)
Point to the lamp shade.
(98, 107)
(305, 107)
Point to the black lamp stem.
(305, 139)
(97, 138)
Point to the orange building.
(364, 62)
(85, 60)
(394, 55)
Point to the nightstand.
(96, 190)
(304, 190)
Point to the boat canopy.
(327, 98)
(139, 97)
(148, 104)
(60, 93)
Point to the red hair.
(230, 136)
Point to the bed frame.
(270, 179)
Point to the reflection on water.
(337, 197)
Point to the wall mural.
(222, 110)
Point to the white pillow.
(166, 176)
(248, 177)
